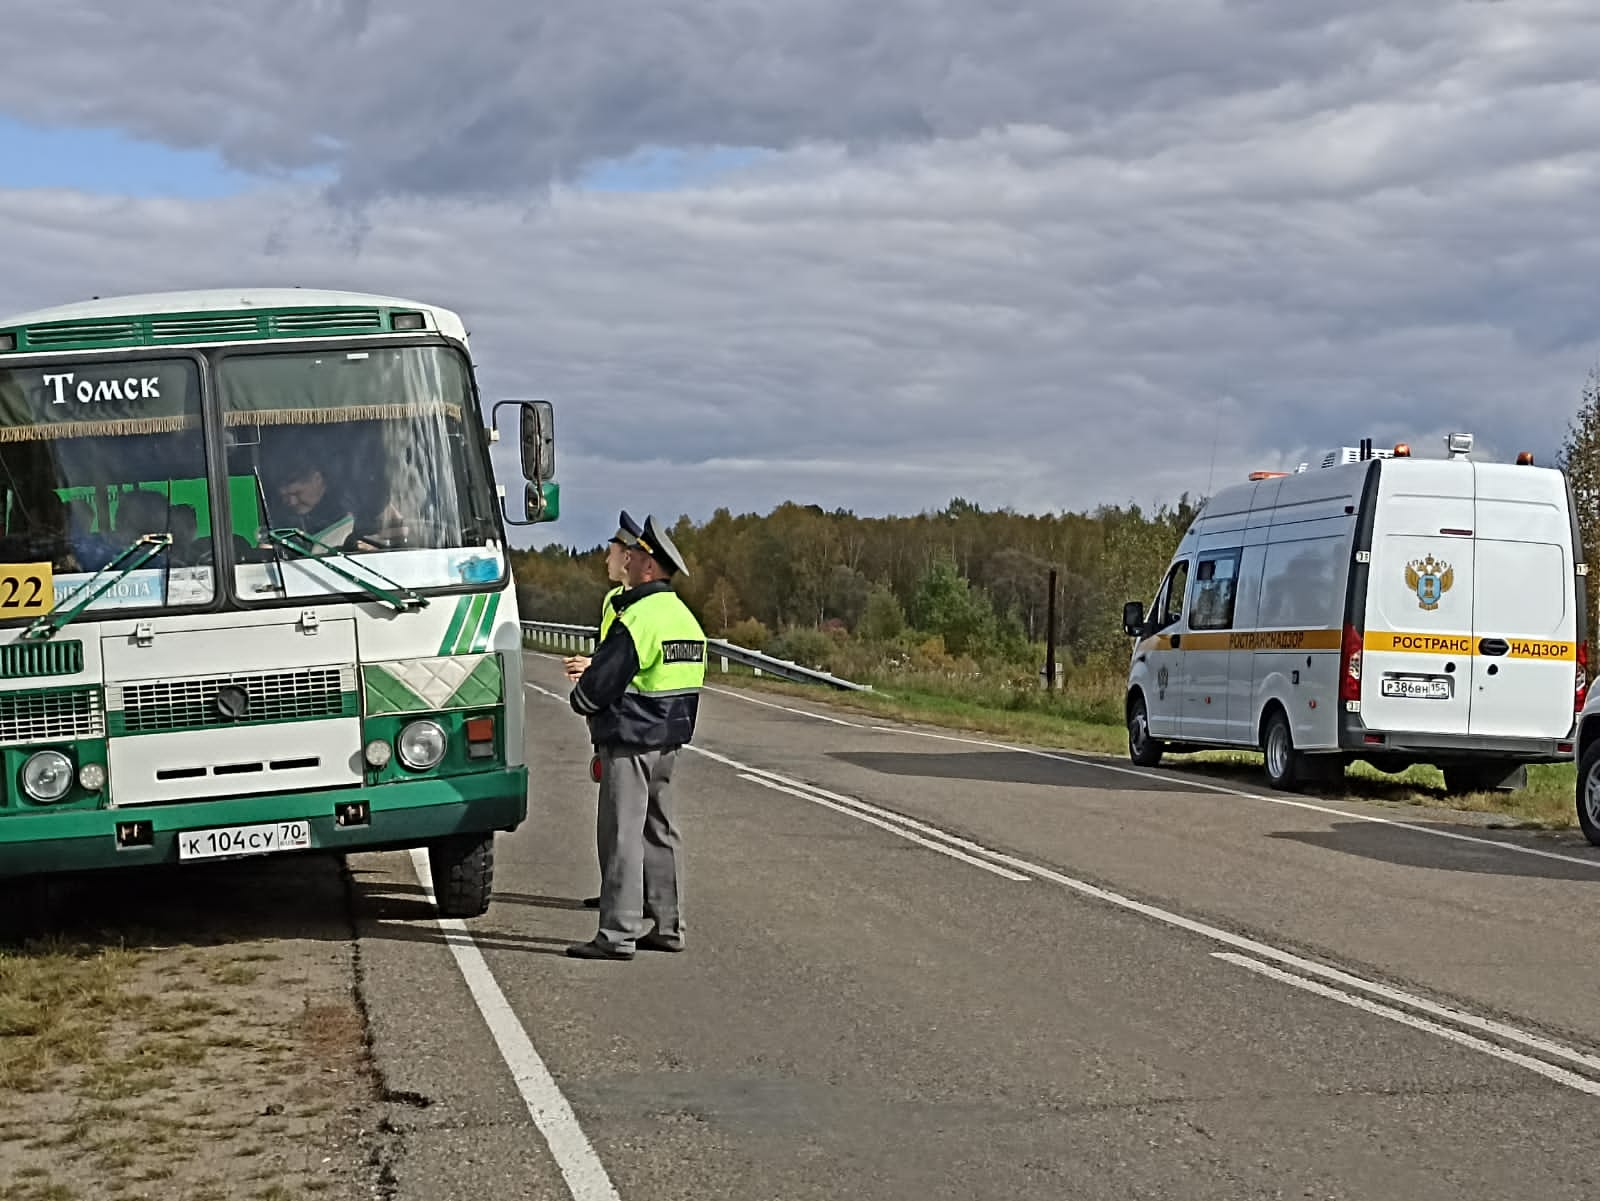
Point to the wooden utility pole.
(1050, 636)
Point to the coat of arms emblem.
(1430, 579)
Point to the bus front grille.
(50, 715)
(161, 706)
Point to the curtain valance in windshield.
(359, 385)
(92, 400)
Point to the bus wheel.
(1589, 793)
(462, 868)
(1281, 760)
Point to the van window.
(1171, 606)
(1215, 590)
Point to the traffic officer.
(641, 696)
(628, 531)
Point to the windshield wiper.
(397, 596)
(92, 589)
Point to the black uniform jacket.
(616, 716)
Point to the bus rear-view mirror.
(538, 441)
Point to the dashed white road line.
(868, 811)
(899, 832)
(580, 1167)
(1549, 1071)
(1205, 786)
(1254, 950)
(1197, 785)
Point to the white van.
(1378, 607)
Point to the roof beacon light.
(1402, 450)
(1525, 459)
(1268, 475)
(1459, 445)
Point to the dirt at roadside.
(191, 1034)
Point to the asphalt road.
(925, 967)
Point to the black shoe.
(591, 902)
(595, 949)
(656, 941)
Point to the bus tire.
(462, 871)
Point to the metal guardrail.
(582, 639)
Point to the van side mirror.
(1133, 618)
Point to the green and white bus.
(255, 595)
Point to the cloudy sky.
(1038, 253)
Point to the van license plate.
(228, 841)
(1425, 690)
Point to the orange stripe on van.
(1536, 649)
(1418, 644)
(1248, 640)
(1546, 652)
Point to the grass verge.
(205, 1043)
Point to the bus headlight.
(92, 777)
(422, 745)
(378, 754)
(47, 775)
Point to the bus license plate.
(1425, 690)
(229, 841)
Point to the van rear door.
(1525, 621)
(1417, 660)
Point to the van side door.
(1207, 644)
(1524, 606)
(1163, 646)
(1418, 662)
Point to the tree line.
(960, 584)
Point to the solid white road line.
(580, 1167)
(1502, 1030)
(838, 721)
(1548, 1071)
(1004, 873)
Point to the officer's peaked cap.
(628, 530)
(655, 542)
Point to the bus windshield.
(95, 456)
(370, 453)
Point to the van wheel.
(461, 868)
(1589, 793)
(1279, 758)
(1144, 750)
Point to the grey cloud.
(403, 97)
(997, 317)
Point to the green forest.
(956, 600)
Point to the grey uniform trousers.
(638, 842)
